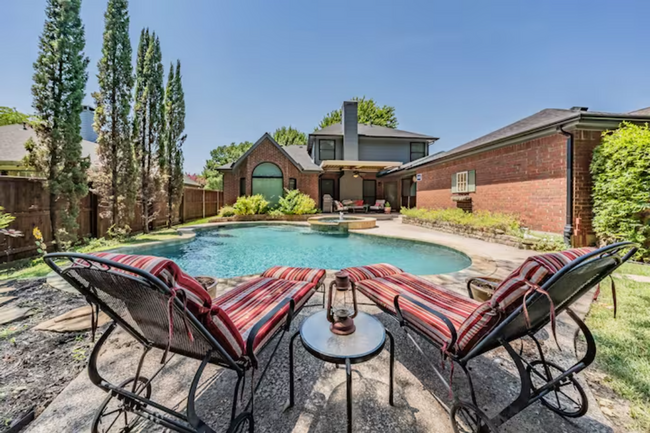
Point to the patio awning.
(358, 165)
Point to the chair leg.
(470, 382)
(391, 376)
(523, 399)
(291, 374)
(348, 379)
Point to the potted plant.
(387, 207)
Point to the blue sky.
(453, 69)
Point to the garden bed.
(263, 217)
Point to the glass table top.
(366, 342)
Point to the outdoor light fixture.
(355, 174)
(341, 310)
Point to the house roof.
(373, 131)
(540, 121)
(191, 182)
(14, 137)
(297, 154)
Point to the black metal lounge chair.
(161, 307)
(521, 306)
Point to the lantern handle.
(354, 300)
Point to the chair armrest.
(263, 321)
(438, 314)
(491, 283)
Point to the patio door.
(390, 192)
(326, 187)
(369, 191)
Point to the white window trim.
(462, 181)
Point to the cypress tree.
(172, 163)
(139, 128)
(59, 83)
(115, 181)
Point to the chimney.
(349, 121)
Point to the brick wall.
(527, 179)
(267, 152)
(584, 143)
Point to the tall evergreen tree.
(149, 120)
(59, 83)
(172, 163)
(115, 181)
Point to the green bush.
(482, 220)
(253, 205)
(5, 218)
(296, 203)
(621, 192)
(227, 211)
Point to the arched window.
(267, 180)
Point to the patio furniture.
(339, 207)
(363, 345)
(355, 205)
(522, 304)
(161, 307)
(378, 206)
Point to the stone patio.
(320, 387)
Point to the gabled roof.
(297, 154)
(373, 131)
(14, 137)
(541, 121)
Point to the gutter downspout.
(568, 228)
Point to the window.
(326, 150)
(242, 186)
(463, 181)
(418, 150)
(369, 191)
(267, 180)
(292, 184)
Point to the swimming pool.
(231, 251)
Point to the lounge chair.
(162, 307)
(354, 205)
(339, 207)
(378, 206)
(522, 304)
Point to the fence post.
(203, 203)
(182, 210)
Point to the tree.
(148, 122)
(219, 156)
(287, 136)
(369, 113)
(172, 163)
(59, 81)
(11, 116)
(621, 192)
(116, 177)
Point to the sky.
(452, 69)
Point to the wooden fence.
(28, 200)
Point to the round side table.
(364, 344)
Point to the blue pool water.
(243, 250)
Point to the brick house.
(537, 168)
(341, 160)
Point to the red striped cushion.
(295, 274)
(509, 294)
(169, 273)
(456, 307)
(249, 302)
(360, 273)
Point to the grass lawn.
(624, 343)
(35, 267)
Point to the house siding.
(384, 149)
(267, 152)
(526, 179)
(338, 143)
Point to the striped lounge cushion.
(360, 273)
(509, 294)
(168, 272)
(456, 307)
(249, 302)
(295, 274)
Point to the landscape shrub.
(227, 211)
(251, 205)
(621, 192)
(482, 220)
(296, 203)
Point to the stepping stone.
(637, 278)
(7, 290)
(75, 320)
(56, 281)
(6, 299)
(11, 314)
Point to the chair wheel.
(243, 423)
(467, 418)
(113, 415)
(567, 398)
